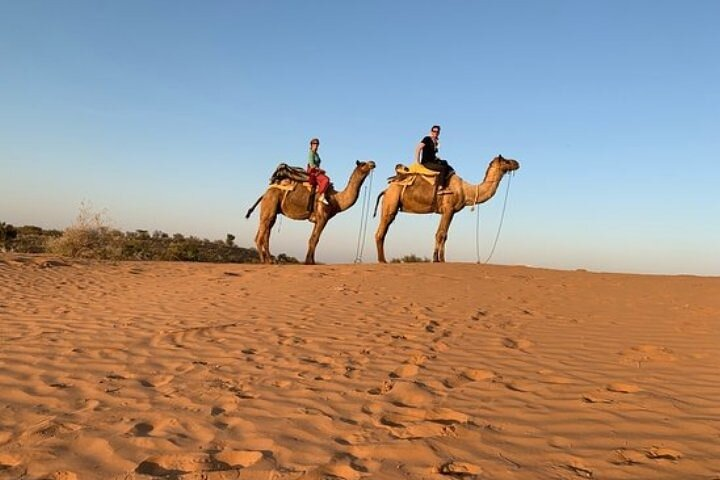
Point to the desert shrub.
(412, 258)
(89, 237)
(8, 234)
(92, 237)
(283, 258)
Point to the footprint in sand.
(446, 416)
(662, 453)
(386, 386)
(520, 344)
(372, 408)
(460, 469)
(412, 395)
(439, 346)
(575, 465)
(183, 464)
(579, 469)
(596, 397)
(623, 388)
(321, 360)
(8, 461)
(175, 465)
(550, 376)
(647, 353)
(467, 376)
(353, 439)
(522, 386)
(155, 381)
(560, 442)
(628, 456)
(405, 371)
(431, 326)
(478, 315)
(61, 475)
(53, 429)
(142, 429)
(343, 467)
(418, 359)
(238, 458)
(423, 430)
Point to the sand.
(413, 371)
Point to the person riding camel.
(426, 154)
(316, 175)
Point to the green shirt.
(313, 159)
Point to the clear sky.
(171, 115)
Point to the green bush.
(92, 237)
(412, 258)
(8, 233)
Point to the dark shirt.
(429, 151)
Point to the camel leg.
(320, 223)
(262, 238)
(386, 219)
(260, 242)
(388, 212)
(441, 236)
(266, 244)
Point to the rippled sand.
(420, 371)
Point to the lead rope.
(497, 235)
(364, 214)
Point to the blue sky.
(171, 115)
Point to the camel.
(292, 198)
(416, 193)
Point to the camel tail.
(377, 202)
(250, 210)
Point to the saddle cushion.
(414, 167)
(285, 171)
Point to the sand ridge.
(178, 370)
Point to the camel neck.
(349, 195)
(484, 191)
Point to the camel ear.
(357, 163)
(500, 157)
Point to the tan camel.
(291, 198)
(416, 193)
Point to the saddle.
(285, 171)
(414, 167)
(405, 173)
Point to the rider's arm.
(418, 152)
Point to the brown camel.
(414, 194)
(291, 198)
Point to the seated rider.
(316, 175)
(426, 154)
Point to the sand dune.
(189, 371)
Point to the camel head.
(505, 164)
(364, 167)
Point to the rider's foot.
(322, 199)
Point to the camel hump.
(285, 171)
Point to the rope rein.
(497, 235)
(364, 215)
